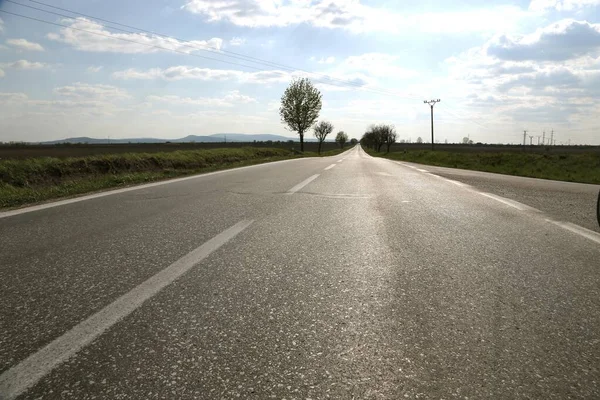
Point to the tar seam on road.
(302, 184)
(331, 166)
(28, 372)
(586, 233)
(6, 214)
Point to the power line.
(206, 48)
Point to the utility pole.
(431, 104)
(531, 140)
(552, 138)
(544, 138)
(525, 137)
(538, 136)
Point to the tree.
(465, 140)
(388, 133)
(341, 138)
(322, 129)
(419, 139)
(353, 141)
(300, 107)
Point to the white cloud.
(237, 41)
(84, 91)
(12, 98)
(378, 65)
(352, 15)
(205, 74)
(91, 36)
(229, 100)
(24, 44)
(559, 41)
(25, 65)
(94, 69)
(328, 60)
(561, 5)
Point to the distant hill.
(217, 137)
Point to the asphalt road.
(299, 279)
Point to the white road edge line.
(421, 170)
(6, 214)
(509, 202)
(302, 184)
(341, 160)
(580, 230)
(28, 372)
(331, 166)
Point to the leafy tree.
(300, 107)
(419, 139)
(388, 133)
(322, 129)
(353, 141)
(341, 138)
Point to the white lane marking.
(421, 170)
(331, 166)
(580, 230)
(457, 183)
(19, 211)
(341, 160)
(383, 174)
(28, 372)
(302, 184)
(509, 202)
(406, 201)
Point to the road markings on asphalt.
(580, 230)
(509, 202)
(302, 184)
(421, 170)
(28, 372)
(383, 173)
(6, 214)
(331, 166)
(341, 160)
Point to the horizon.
(499, 69)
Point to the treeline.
(379, 135)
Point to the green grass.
(32, 180)
(572, 167)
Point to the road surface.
(340, 277)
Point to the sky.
(172, 68)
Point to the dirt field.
(82, 150)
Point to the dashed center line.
(331, 166)
(302, 184)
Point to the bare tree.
(322, 129)
(341, 138)
(300, 107)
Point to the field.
(574, 163)
(26, 180)
(20, 151)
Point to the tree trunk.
(302, 142)
(320, 142)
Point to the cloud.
(378, 65)
(94, 69)
(328, 60)
(12, 98)
(351, 15)
(229, 100)
(204, 74)
(90, 36)
(25, 65)
(87, 91)
(560, 41)
(561, 5)
(24, 44)
(237, 41)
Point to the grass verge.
(570, 167)
(33, 180)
